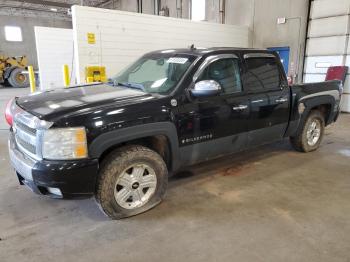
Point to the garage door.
(328, 41)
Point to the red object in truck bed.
(337, 73)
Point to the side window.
(263, 73)
(226, 73)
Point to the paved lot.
(269, 204)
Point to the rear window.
(263, 73)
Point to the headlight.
(64, 143)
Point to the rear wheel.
(18, 79)
(310, 137)
(133, 179)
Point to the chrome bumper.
(20, 162)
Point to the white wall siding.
(327, 8)
(122, 37)
(345, 103)
(347, 85)
(316, 68)
(333, 45)
(313, 78)
(54, 49)
(328, 36)
(347, 80)
(347, 62)
(320, 64)
(331, 26)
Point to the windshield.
(158, 73)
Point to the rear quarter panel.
(311, 96)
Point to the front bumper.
(58, 179)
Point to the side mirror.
(206, 88)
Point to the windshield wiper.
(132, 85)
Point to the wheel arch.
(160, 137)
(325, 104)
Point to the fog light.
(54, 191)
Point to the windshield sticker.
(177, 60)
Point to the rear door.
(269, 98)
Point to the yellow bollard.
(66, 79)
(31, 79)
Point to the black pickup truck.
(170, 109)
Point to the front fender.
(107, 140)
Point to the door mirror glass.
(206, 88)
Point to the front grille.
(25, 135)
(25, 128)
(27, 146)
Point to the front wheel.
(133, 179)
(310, 137)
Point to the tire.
(120, 192)
(306, 140)
(17, 79)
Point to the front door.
(214, 125)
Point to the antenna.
(192, 47)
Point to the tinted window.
(226, 73)
(263, 73)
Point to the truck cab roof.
(201, 51)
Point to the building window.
(13, 34)
(198, 10)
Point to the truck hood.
(59, 103)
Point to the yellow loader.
(11, 71)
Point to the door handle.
(240, 107)
(281, 100)
(257, 101)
